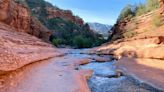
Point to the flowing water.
(104, 79)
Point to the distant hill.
(100, 28)
(67, 29)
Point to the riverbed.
(61, 74)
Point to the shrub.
(56, 42)
(23, 2)
(136, 10)
(82, 42)
(129, 33)
(157, 21)
(141, 9)
(126, 12)
(152, 5)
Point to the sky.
(101, 11)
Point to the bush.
(136, 10)
(22, 2)
(129, 33)
(82, 42)
(152, 5)
(126, 12)
(141, 9)
(157, 21)
(56, 42)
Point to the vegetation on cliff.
(130, 11)
(136, 19)
(66, 28)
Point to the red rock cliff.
(19, 37)
(19, 17)
(65, 14)
(54, 12)
(128, 28)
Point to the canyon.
(29, 63)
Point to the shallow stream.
(105, 79)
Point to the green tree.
(152, 5)
(140, 9)
(126, 12)
(82, 42)
(56, 42)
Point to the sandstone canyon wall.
(19, 17)
(64, 14)
(19, 37)
(143, 39)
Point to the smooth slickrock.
(148, 71)
(54, 75)
(138, 48)
(18, 49)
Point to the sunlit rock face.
(65, 14)
(18, 17)
(137, 37)
(15, 15)
(4, 7)
(17, 47)
(161, 5)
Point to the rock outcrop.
(47, 11)
(64, 14)
(129, 27)
(18, 49)
(18, 17)
(19, 37)
(161, 3)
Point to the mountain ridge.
(100, 28)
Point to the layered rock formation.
(146, 37)
(17, 45)
(18, 17)
(48, 11)
(18, 49)
(64, 14)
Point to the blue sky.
(101, 11)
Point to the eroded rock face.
(147, 47)
(3, 8)
(161, 6)
(19, 17)
(65, 14)
(128, 28)
(161, 3)
(18, 49)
